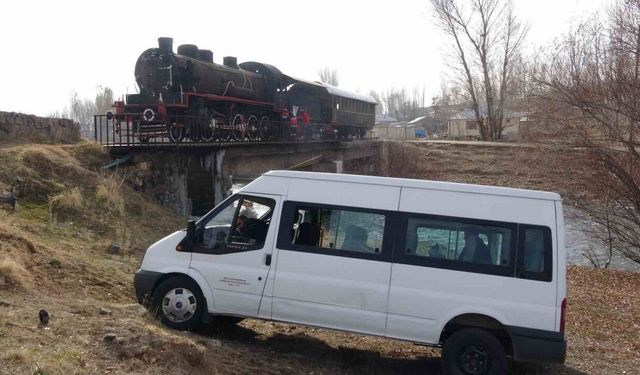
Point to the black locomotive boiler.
(186, 96)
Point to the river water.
(578, 241)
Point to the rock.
(141, 311)
(104, 311)
(109, 337)
(55, 263)
(113, 249)
(141, 351)
(136, 309)
(4, 304)
(43, 315)
(214, 343)
(143, 166)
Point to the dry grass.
(72, 278)
(603, 320)
(542, 168)
(12, 275)
(66, 203)
(89, 154)
(109, 194)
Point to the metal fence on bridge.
(133, 130)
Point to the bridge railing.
(134, 130)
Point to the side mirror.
(191, 231)
(188, 241)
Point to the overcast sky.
(51, 48)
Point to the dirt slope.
(56, 253)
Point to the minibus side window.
(337, 229)
(534, 253)
(459, 241)
(244, 222)
(215, 233)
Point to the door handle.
(267, 260)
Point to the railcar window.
(328, 228)
(458, 241)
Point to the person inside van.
(474, 250)
(355, 239)
(240, 229)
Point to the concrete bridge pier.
(192, 181)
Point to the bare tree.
(403, 104)
(329, 76)
(591, 79)
(104, 100)
(487, 38)
(82, 110)
(376, 97)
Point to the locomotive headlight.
(148, 115)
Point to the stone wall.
(21, 127)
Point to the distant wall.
(21, 127)
(396, 132)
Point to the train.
(185, 95)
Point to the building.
(402, 130)
(463, 125)
(385, 119)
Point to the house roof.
(385, 117)
(466, 114)
(417, 119)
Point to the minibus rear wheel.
(179, 303)
(473, 351)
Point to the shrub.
(67, 203)
(109, 194)
(12, 274)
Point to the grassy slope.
(60, 263)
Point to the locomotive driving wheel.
(252, 130)
(175, 132)
(208, 133)
(239, 127)
(266, 133)
(222, 130)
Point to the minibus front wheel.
(179, 303)
(473, 351)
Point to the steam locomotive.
(185, 95)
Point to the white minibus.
(476, 270)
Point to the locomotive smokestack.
(206, 55)
(189, 50)
(230, 61)
(165, 44)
